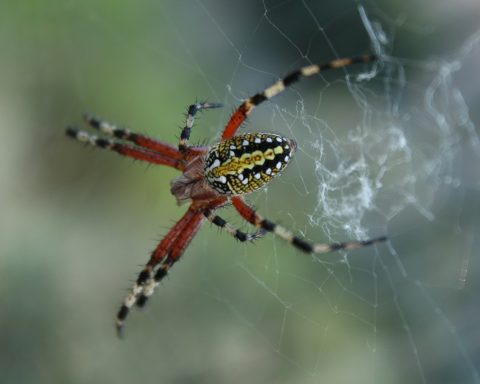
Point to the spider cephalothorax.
(213, 177)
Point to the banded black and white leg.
(108, 128)
(249, 214)
(165, 255)
(236, 233)
(134, 152)
(143, 141)
(241, 113)
(131, 299)
(141, 291)
(153, 281)
(191, 112)
(149, 282)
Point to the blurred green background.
(77, 223)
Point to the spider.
(213, 177)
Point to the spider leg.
(249, 214)
(124, 134)
(191, 112)
(177, 250)
(236, 233)
(248, 105)
(124, 149)
(189, 225)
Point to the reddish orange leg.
(125, 134)
(175, 252)
(164, 248)
(124, 149)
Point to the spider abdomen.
(247, 162)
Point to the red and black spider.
(213, 177)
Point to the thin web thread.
(353, 188)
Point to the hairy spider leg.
(176, 251)
(152, 282)
(249, 214)
(159, 254)
(124, 134)
(248, 105)
(191, 112)
(236, 233)
(124, 149)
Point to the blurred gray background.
(77, 224)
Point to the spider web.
(382, 150)
(389, 148)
